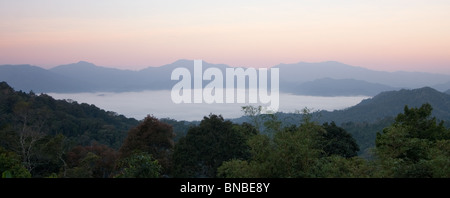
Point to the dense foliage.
(206, 146)
(153, 137)
(59, 137)
(416, 145)
(82, 124)
(43, 137)
(303, 151)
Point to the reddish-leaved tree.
(151, 136)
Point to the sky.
(388, 35)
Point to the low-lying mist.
(159, 104)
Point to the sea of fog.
(159, 104)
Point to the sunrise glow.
(410, 35)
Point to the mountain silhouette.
(321, 79)
(391, 103)
(337, 87)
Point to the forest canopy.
(44, 137)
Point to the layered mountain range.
(318, 79)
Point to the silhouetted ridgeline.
(389, 104)
(337, 87)
(318, 79)
(385, 104)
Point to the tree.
(337, 141)
(298, 151)
(254, 114)
(50, 155)
(139, 165)
(340, 167)
(56, 149)
(263, 121)
(440, 159)
(259, 165)
(40, 130)
(206, 146)
(97, 161)
(30, 131)
(293, 152)
(151, 136)
(235, 169)
(420, 124)
(413, 146)
(10, 165)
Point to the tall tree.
(414, 146)
(96, 161)
(293, 152)
(254, 114)
(151, 136)
(337, 141)
(206, 146)
(139, 165)
(420, 124)
(30, 131)
(11, 166)
(309, 150)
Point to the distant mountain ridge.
(28, 77)
(391, 103)
(100, 78)
(336, 87)
(383, 105)
(320, 79)
(303, 72)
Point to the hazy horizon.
(402, 35)
(218, 63)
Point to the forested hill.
(391, 103)
(384, 105)
(370, 116)
(81, 123)
(364, 120)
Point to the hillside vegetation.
(43, 137)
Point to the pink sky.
(409, 35)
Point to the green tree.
(337, 141)
(420, 124)
(297, 152)
(293, 152)
(336, 166)
(139, 165)
(10, 165)
(54, 151)
(254, 114)
(236, 169)
(206, 146)
(414, 146)
(440, 159)
(85, 167)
